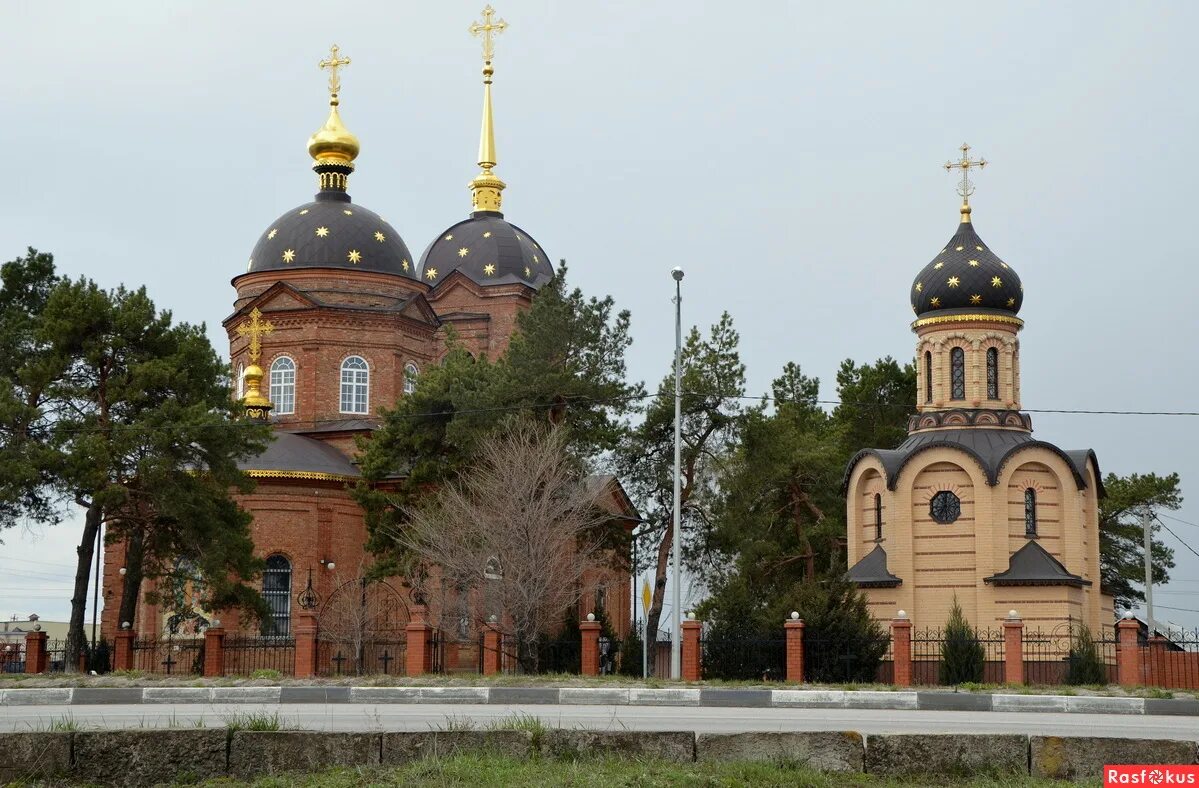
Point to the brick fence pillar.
(1013, 650)
(418, 658)
(36, 658)
(1128, 653)
(491, 648)
(307, 632)
(1159, 673)
(214, 652)
(590, 632)
(794, 630)
(692, 669)
(122, 657)
(901, 650)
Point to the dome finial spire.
(966, 187)
(486, 186)
(333, 148)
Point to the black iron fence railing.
(170, 656)
(384, 656)
(940, 657)
(760, 659)
(1171, 661)
(246, 654)
(838, 660)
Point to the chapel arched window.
(283, 385)
(355, 385)
(1030, 512)
(992, 373)
(410, 375)
(878, 517)
(928, 376)
(957, 373)
(276, 592)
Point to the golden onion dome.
(333, 143)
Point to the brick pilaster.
(1129, 671)
(36, 658)
(1159, 674)
(901, 651)
(122, 657)
(590, 633)
(306, 644)
(1013, 651)
(692, 669)
(418, 657)
(794, 630)
(214, 652)
(491, 649)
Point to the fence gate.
(362, 630)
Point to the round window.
(945, 507)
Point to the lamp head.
(677, 273)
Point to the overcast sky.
(787, 155)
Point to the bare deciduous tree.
(364, 619)
(519, 530)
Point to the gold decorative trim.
(308, 475)
(968, 318)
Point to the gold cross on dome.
(965, 164)
(485, 29)
(333, 63)
(255, 328)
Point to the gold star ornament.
(528, 272)
(272, 234)
(953, 281)
(289, 255)
(449, 237)
(489, 269)
(380, 237)
(322, 232)
(431, 274)
(1011, 302)
(463, 252)
(404, 264)
(976, 299)
(938, 266)
(974, 264)
(996, 282)
(487, 234)
(934, 301)
(354, 256)
(348, 212)
(919, 286)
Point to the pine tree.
(962, 655)
(1085, 665)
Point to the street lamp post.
(676, 614)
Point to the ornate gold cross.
(485, 29)
(255, 328)
(965, 164)
(333, 63)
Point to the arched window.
(355, 385)
(1030, 512)
(928, 376)
(410, 373)
(283, 385)
(276, 591)
(992, 373)
(957, 373)
(241, 381)
(878, 517)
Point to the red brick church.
(334, 320)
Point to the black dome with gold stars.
(966, 276)
(332, 232)
(489, 250)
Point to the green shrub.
(962, 656)
(1085, 666)
(266, 673)
(630, 654)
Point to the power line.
(1176, 536)
(1179, 609)
(1177, 520)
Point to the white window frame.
(241, 381)
(411, 373)
(355, 386)
(283, 390)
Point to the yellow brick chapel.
(971, 505)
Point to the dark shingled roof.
(1031, 565)
(871, 571)
(991, 448)
(488, 249)
(966, 276)
(297, 454)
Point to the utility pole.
(676, 614)
(1147, 526)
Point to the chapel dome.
(332, 232)
(966, 277)
(489, 250)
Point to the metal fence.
(245, 654)
(855, 659)
(384, 656)
(1067, 655)
(1172, 660)
(940, 657)
(761, 659)
(170, 656)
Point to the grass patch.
(266, 673)
(485, 770)
(63, 724)
(1158, 693)
(255, 721)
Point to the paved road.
(421, 717)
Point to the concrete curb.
(933, 700)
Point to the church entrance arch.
(361, 629)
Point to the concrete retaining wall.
(137, 757)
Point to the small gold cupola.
(486, 187)
(333, 148)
